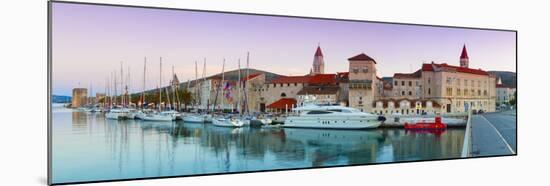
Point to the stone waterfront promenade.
(494, 134)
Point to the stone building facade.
(434, 88)
(504, 94)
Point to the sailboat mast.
(196, 86)
(223, 85)
(203, 81)
(247, 78)
(173, 91)
(128, 89)
(239, 88)
(121, 85)
(115, 83)
(160, 84)
(143, 92)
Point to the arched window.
(283, 95)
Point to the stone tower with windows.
(464, 60)
(318, 62)
(362, 82)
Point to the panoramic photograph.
(141, 92)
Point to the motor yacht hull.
(320, 122)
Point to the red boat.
(427, 125)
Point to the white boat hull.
(157, 117)
(227, 122)
(193, 119)
(359, 122)
(116, 116)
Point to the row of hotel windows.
(449, 81)
(275, 85)
(282, 84)
(396, 83)
(356, 70)
(404, 111)
(459, 92)
(472, 82)
(404, 104)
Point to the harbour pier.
(492, 134)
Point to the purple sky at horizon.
(90, 41)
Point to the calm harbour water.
(87, 147)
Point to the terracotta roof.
(416, 74)
(317, 79)
(291, 79)
(361, 57)
(464, 52)
(319, 90)
(283, 103)
(318, 52)
(323, 79)
(445, 67)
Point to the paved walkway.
(494, 134)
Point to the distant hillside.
(232, 75)
(61, 99)
(508, 78)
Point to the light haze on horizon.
(90, 41)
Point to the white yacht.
(332, 117)
(117, 114)
(227, 122)
(191, 118)
(159, 117)
(175, 114)
(131, 113)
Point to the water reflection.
(88, 147)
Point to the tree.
(513, 101)
(185, 97)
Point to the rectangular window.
(395, 83)
(402, 83)
(410, 83)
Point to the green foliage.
(514, 101)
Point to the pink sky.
(90, 41)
